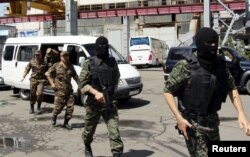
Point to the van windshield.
(178, 54)
(139, 41)
(112, 52)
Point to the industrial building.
(174, 21)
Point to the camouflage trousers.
(61, 101)
(201, 133)
(110, 117)
(36, 91)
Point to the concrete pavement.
(146, 126)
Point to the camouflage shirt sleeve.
(178, 76)
(46, 59)
(84, 78)
(51, 70)
(28, 67)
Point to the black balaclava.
(204, 39)
(102, 47)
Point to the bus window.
(139, 41)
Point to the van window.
(74, 53)
(177, 54)
(57, 47)
(112, 52)
(228, 55)
(8, 53)
(118, 57)
(90, 48)
(26, 53)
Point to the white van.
(18, 52)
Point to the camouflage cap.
(63, 53)
(49, 50)
(38, 52)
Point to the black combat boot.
(88, 151)
(66, 124)
(32, 108)
(117, 155)
(39, 111)
(53, 119)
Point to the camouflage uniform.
(51, 57)
(64, 93)
(180, 76)
(95, 110)
(37, 80)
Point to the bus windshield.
(139, 41)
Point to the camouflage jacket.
(62, 78)
(181, 75)
(51, 58)
(84, 78)
(38, 70)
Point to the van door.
(8, 64)
(24, 54)
(75, 52)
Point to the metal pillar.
(216, 25)
(235, 17)
(126, 35)
(71, 17)
(53, 27)
(206, 13)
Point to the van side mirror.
(81, 61)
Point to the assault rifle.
(104, 88)
(105, 95)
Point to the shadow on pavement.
(77, 125)
(139, 153)
(172, 148)
(47, 109)
(225, 119)
(132, 103)
(135, 153)
(5, 88)
(243, 92)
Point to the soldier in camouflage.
(101, 70)
(201, 83)
(37, 80)
(51, 57)
(63, 71)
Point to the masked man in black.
(201, 83)
(98, 81)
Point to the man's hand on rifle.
(183, 125)
(98, 95)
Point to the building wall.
(30, 28)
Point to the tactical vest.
(204, 93)
(102, 76)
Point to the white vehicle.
(146, 50)
(18, 52)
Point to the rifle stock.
(106, 98)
